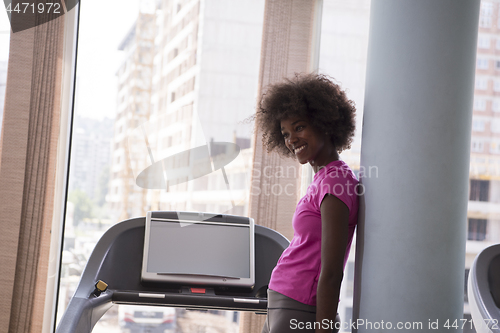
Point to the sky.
(103, 25)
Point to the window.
(482, 83)
(486, 14)
(483, 42)
(496, 106)
(477, 229)
(478, 125)
(480, 103)
(479, 190)
(495, 147)
(477, 146)
(482, 63)
(485, 22)
(496, 85)
(144, 92)
(495, 125)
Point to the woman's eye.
(299, 128)
(285, 135)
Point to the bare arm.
(334, 234)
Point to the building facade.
(203, 85)
(91, 154)
(133, 108)
(483, 227)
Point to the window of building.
(496, 85)
(480, 103)
(477, 146)
(495, 105)
(485, 22)
(478, 125)
(482, 83)
(479, 190)
(483, 42)
(495, 125)
(486, 14)
(482, 63)
(495, 147)
(477, 229)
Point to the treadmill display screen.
(200, 248)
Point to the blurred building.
(90, 154)
(198, 74)
(208, 64)
(189, 79)
(483, 227)
(133, 108)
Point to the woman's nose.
(292, 138)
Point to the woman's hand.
(334, 237)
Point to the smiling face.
(306, 143)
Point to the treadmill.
(483, 288)
(117, 260)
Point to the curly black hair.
(313, 96)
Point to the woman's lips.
(299, 149)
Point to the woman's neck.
(321, 162)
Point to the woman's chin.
(302, 159)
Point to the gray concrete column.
(415, 158)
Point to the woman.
(310, 118)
